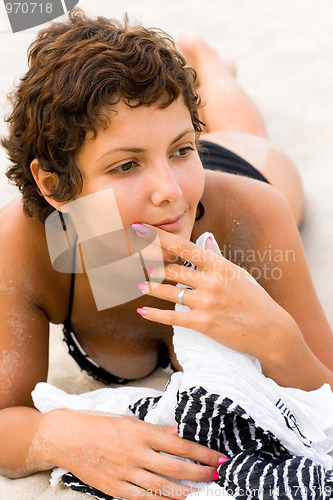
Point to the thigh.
(278, 169)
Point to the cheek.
(194, 184)
(129, 210)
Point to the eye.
(183, 152)
(124, 168)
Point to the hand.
(226, 303)
(121, 455)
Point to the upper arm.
(24, 325)
(271, 250)
(23, 348)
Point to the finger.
(162, 486)
(172, 293)
(180, 247)
(171, 317)
(190, 277)
(155, 254)
(184, 448)
(111, 485)
(133, 491)
(172, 430)
(211, 245)
(180, 447)
(164, 443)
(181, 468)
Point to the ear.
(46, 182)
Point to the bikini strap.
(72, 285)
(70, 301)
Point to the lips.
(168, 221)
(171, 224)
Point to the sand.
(284, 53)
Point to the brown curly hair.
(76, 69)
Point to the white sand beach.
(284, 53)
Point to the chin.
(186, 231)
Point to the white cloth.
(47, 397)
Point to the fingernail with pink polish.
(223, 460)
(209, 243)
(142, 286)
(215, 475)
(141, 311)
(140, 229)
(150, 270)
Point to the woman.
(71, 110)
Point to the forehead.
(122, 121)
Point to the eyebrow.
(141, 150)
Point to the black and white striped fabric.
(259, 466)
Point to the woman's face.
(149, 158)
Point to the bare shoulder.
(241, 211)
(22, 237)
(13, 219)
(25, 260)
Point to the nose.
(165, 185)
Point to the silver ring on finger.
(180, 296)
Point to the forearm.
(291, 363)
(20, 430)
